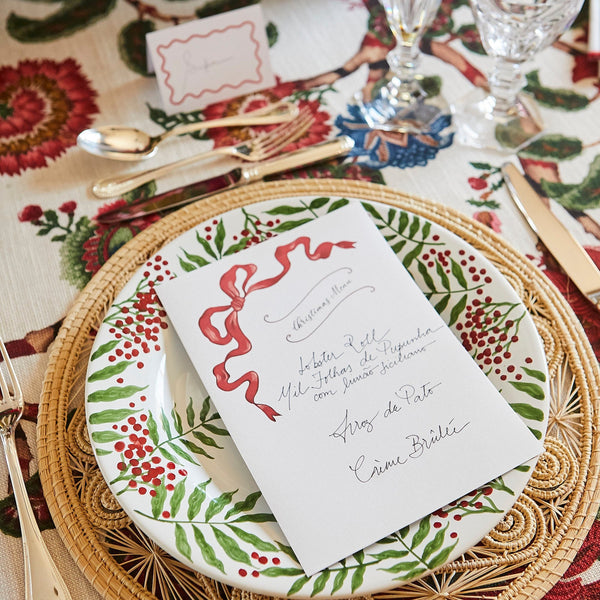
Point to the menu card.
(354, 406)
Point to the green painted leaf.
(158, 501)
(536, 432)
(404, 531)
(422, 532)
(338, 204)
(415, 225)
(286, 210)
(220, 236)
(205, 245)
(111, 415)
(359, 556)
(320, 582)
(208, 441)
(318, 203)
(426, 230)
(442, 557)
(104, 349)
(166, 454)
(205, 409)
(372, 210)
(434, 545)
(288, 225)
(255, 518)
(196, 259)
(403, 222)
(422, 268)
(177, 497)
(410, 256)
(440, 306)
(165, 423)
(218, 504)
(190, 414)
(214, 429)
(114, 393)
(358, 577)
(527, 411)
(152, 429)
(281, 572)
(231, 547)
(390, 554)
(406, 565)
(181, 542)
(244, 505)
(390, 216)
(442, 274)
(411, 574)
(195, 448)
(181, 452)
(196, 499)
(177, 423)
(458, 273)
(208, 554)
(297, 585)
(457, 310)
(539, 375)
(338, 582)
(531, 389)
(252, 539)
(186, 266)
(110, 370)
(397, 247)
(236, 246)
(105, 437)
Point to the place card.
(210, 60)
(354, 406)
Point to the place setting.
(293, 379)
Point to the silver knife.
(556, 237)
(230, 180)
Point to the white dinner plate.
(172, 466)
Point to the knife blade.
(232, 179)
(569, 253)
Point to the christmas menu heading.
(352, 403)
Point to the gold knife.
(556, 237)
(232, 179)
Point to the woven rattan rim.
(536, 575)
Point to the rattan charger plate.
(522, 558)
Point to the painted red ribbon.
(232, 328)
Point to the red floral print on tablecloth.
(44, 104)
(226, 136)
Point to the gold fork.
(264, 145)
(42, 579)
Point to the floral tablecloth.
(66, 65)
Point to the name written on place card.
(210, 60)
(353, 404)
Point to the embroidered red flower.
(68, 207)
(489, 218)
(31, 213)
(477, 183)
(44, 104)
(226, 136)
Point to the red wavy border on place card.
(233, 331)
(162, 47)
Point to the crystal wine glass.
(512, 32)
(400, 103)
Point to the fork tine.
(275, 134)
(301, 126)
(17, 393)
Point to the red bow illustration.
(232, 328)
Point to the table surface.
(67, 66)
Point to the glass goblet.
(512, 32)
(399, 103)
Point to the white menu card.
(354, 406)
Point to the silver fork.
(264, 145)
(42, 579)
